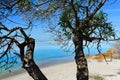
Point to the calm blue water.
(50, 53)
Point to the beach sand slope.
(67, 71)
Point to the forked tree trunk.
(28, 61)
(82, 68)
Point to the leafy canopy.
(84, 18)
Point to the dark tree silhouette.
(9, 39)
(81, 22)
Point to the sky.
(111, 8)
(113, 11)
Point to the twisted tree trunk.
(82, 68)
(28, 62)
(33, 70)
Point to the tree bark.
(33, 70)
(28, 61)
(82, 68)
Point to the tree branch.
(96, 9)
(12, 30)
(8, 48)
(70, 27)
(90, 39)
(42, 3)
(13, 40)
(75, 13)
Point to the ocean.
(50, 54)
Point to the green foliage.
(98, 26)
(65, 21)
(64, 18)
(104, 28)
(24, 5)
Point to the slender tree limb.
(70, 27)
(75, 13)
(8, 48)
(12, 30)
(11, 5)
(96, 9)
(47, 1)
(98, 46)
(13, 40)
(90, 39)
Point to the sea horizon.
(50, 54)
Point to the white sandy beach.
(67, 71)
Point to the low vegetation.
(96, 77)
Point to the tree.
(82, 22)
(9, 39)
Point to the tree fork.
(28, 62)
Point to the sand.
(67, 71)
(109, 70)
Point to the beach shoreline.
(44, 64)
(67, 70)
